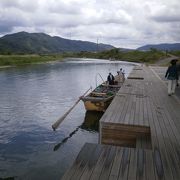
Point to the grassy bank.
(175, 53)
(148, 57)
(16, 60)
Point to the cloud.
(23, 5)
(10, 19)
(63, 7)
(166, 13)
(5, 28)
(128, 23)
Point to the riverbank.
(148, 57)
(18, 60)
(152, 57)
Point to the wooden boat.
(100, 98)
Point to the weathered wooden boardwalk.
(145, 124)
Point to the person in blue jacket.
(172, 76)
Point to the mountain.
(39, 43)
(164, 47)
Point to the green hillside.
(40, 43)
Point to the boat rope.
(100, 77)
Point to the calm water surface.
(31, 99)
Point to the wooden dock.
(139, 135)
(112, 162)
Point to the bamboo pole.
(58, 122)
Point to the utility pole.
(97, 44)
(70, 41)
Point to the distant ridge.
(23, 42)
(164, 47)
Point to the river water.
(35, 96)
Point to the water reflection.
(90, 123)
(57, 146)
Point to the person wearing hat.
(172, 76)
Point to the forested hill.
(40, 43)
(164, 47)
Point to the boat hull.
(97, 105)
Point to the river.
(31, 99)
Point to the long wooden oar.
(57, 123)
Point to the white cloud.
(123, 23)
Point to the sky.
(121, 23)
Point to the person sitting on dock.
(110, 79)
(172, 76)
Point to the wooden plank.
(143, 142)
(84, 160)
(137, 112)
(167, 129)
(141, 171)
(141, 110)
(118, 107)
(132, 112)
(113, 163)
(149, 166)
(120, 110)
(121, 116)
(123, 143)
(116, 165)
(110, 111)
(123, 171)
(120, 132)
(155, 127)
(159, 164)
(132, 165)
(138, 130)
(80, 160)
(160, 137)
(99, 165)
(146, 118)
(160, 156)
(108, 164)
(91, 163)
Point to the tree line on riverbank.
(150, 57)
